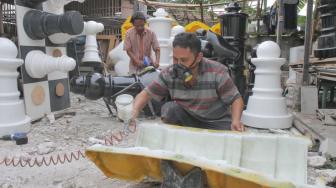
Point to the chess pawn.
(266, 108)
(38, 64)
(91, 54)
(12, 112)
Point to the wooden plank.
(106, 44)
(312, 127)
(314, 60)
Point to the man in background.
(139, 43)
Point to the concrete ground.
(71, 133)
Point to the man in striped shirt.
(201, 91)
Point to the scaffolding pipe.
(307, 43)
(280, 22)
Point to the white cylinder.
(160, 24)
(296, 54)
(267, 108)
(162, 27)
(124, 103)
(165, 53)
(12, 112)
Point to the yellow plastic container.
(126, 26)
(195, 25)
(216, 28)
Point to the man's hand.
(139, 63)
(237, 126)
(132, 125)
(156, 64)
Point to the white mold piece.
(91, 28)
(160, 24)
(166, 49)
(12, 112)
(162, 27)
(119, 58)
(281, 157)
(266, 108)
(38, 64)
(174, 31)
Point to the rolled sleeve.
(127, 42)
(155, 43)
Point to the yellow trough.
(195, 25)
(223, 168)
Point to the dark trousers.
(172, 113)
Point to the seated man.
(201, 90)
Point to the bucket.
(124, 105)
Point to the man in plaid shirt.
(201, 91)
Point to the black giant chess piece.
(95, 86)
(39, 25)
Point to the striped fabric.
(209, 99)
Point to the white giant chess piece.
(91, 28)
(120, 60)
(161, 26)
(13, 118)
(38, 64)
(266, 108)
(174, 31)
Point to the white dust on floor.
(69, 133)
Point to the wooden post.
(280, 21)
(202, 16)
(258, 16)
(135, 5)
(212, 13)
(307, 43)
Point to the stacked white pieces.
(162, 26)
(13, 118)
(266, 108)
(91, 53)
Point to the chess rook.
(91, 53)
